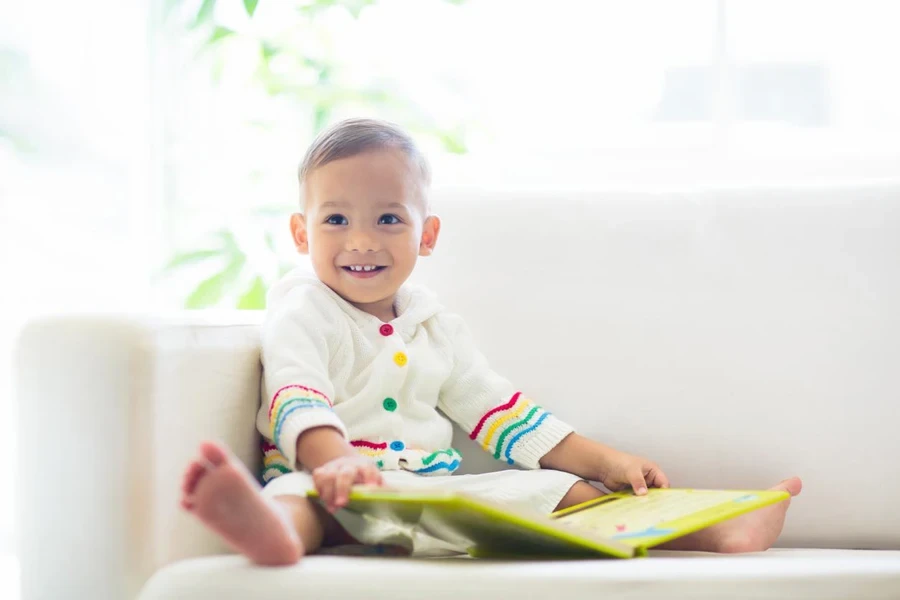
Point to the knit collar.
(413, 304)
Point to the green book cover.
(619, 525)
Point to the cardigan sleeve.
(297, 393)
(499, 418)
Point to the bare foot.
(754, 532)
(222, 493)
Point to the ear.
(430, 231)
(299, 233)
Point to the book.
(618, 525)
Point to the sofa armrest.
(110, 409)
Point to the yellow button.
(400, 359)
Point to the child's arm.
(297, 342)
(592, 460)
(503, 421)
(297, 409)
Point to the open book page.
(663, 514)
(486, 528)
(620, 525)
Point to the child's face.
(365, 224)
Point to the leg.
(578, 493)
(313, 524)
(753, 532)
(222, 493)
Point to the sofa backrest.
(736, 337)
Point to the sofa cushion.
(778, 573)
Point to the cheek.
(322, 246)
(321, 238)
(402, 245)
(415, 240)
(411, 247)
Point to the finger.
(324, 480)
(613, 486)
(372, 476)
(344, 481)
(636, 479)
(360, 474)
(318, 480)
(657, 478)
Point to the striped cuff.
(295, 409)
(519, 432)
(274, 462)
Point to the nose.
(362, 239)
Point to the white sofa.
(735, 336)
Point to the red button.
(386, 329)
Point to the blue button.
(397, 446)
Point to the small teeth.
(362, 267)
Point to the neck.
(382, 309)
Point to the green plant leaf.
(270, 241)
(255, 296)
(189, 258)
(219, 33)
(212, 289)
(169, 7)
(230, 246)
(205, 13)
(267, 51)
(321, 116)
(274, 210)
(250, 6)
(453, 143)
(227, 237)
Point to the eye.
(336, 220)
(389, 220)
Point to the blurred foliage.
(309, 78)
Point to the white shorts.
(540, 490)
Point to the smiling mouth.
(363, 271)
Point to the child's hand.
(622, 470)
(335, 478)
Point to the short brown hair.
(356, 136)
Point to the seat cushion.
(778, 573)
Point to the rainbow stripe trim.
(449, 464)
(370, 449)
(275, 464)
(291, 398)
(434, 463)
(513, 420)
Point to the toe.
(191, 477)
(793, 486)
(214, 453)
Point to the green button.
(389, 404)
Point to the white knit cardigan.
(384, 386)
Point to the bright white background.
(127, 151)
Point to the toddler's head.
(364, 216)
